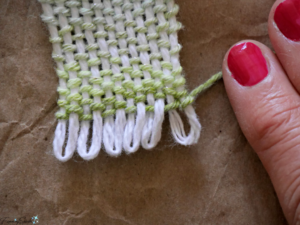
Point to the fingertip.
(279, 41)
(257, 86)
(284, 33)
(283, 21)
(247, 64)
(267, 109)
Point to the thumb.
(268, 110)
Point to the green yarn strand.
(207, 84)
(200, 89)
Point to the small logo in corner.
(35, 219)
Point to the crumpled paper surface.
(218, 181)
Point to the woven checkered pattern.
(119, 71)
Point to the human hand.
(264, 91)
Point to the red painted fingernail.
(287, 18)
(247, 64)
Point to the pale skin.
(269, 116)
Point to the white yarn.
(133, 129)
(119, 130)
(178, 131)
(152, 130)
(61, 127)
(85, 125)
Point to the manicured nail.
(247, 64)
(287, 18)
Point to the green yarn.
(149, 86)
(150, 74)
(73, 66)
(183, 103)
(203, 87)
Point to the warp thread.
(119, 72)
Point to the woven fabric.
(119, 71)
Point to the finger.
(284, 32)
(268, 110)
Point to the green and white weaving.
(119, 72)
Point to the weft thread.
(119, 72)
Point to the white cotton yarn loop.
(119, 72)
